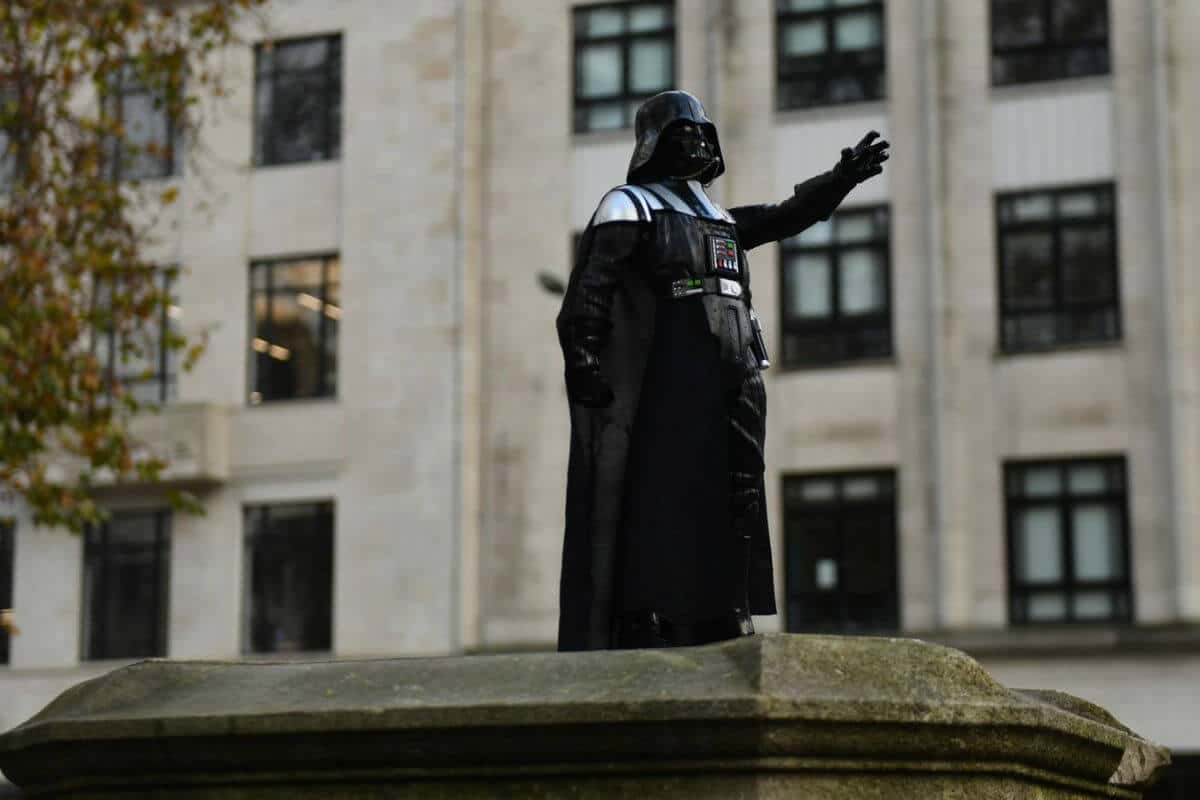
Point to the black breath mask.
(685, 152)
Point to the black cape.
(601, 438)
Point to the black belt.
(686, 287)
(635, 629)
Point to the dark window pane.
(297, 104)
(1079, 19)
(1029, 270)
(840, 541)
(1037, 40)
(7, 548)
(1057, 268)
(1087, 255)
(126, 564)
(289, 567)
(1017, 22)
(298, 122)
(296, 316)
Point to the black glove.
(585, 385)
(865, 160)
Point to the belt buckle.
(729, 288)
(685, 287)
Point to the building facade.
(984, 414)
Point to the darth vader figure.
(666, 539)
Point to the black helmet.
(655, 116)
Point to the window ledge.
(1054, 86)
(1069, 640)
(291, 164)
(831, 111)
(291, 402)
(289, 657)
(804, 369)
(1110, 344)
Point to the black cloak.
(614, 256)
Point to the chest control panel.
(723, 256)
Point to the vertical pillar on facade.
(1178, 28)
(1145, 225)
(526, 196)
(965, 510)
(915, 207)
(470, 134)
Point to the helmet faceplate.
(655, 116)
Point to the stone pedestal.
(767, 716)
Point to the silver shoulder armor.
(623, 204)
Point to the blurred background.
(984, 409)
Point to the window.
(835, 298)
(148, 148)
(624, 53)
(148, 369)
(8, 156)
(289, 570)
(1068, 547)
(7, 543)
(298, 100)
(1180, 780)
(1042, 40)
(828, 52)
(295, 314)
(1058, 268)
(840, 540)
(126, 562)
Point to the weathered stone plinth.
(762, 717)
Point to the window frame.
(166, 379)
(886, 503)
(93, 644)
(1049, 47)
(837, 324)
(126, 84)
(332, 85)
(1055, 227)
(625, 40)
(8, 563)
(1063, 502)
(323, 392)
(830, 68)
(324, 506)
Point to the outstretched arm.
(813, 200)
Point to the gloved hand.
(862, 161)
(585, 385)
